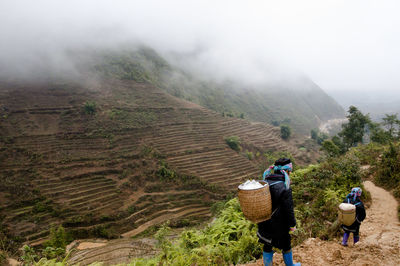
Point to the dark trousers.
(281, 243)
(354, 228)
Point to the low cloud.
(342, 45)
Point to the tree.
(378, 134)
(285, 131)
(314, 134)
(390, 122)
(352, 132)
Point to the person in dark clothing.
(275, 231)
(354, 198)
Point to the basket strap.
(272, 214)
(266, 240)
(274, 183)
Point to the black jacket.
(282, 208)
(360, 212)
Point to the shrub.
(233, 142)
(388, 169)
(285, 131)
(165, 173)
(314, 134)
(3, 258)
(230, 239)
(53, 253)
(89, 108)
(330, 148)
(28, 255)
(249, 155)
(58, 238)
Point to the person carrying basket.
(275, 231)
(354, 198)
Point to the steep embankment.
(379, 245)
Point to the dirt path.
(379, 239)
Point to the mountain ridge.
(298, 102)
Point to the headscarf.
(283, 169)
(355, 192)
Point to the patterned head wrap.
(355, 192)
(283, 168)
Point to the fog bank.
(342, 45)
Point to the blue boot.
(356, 239)
(267, 258)
(288, 259)
(345, 238)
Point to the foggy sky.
(343, 45)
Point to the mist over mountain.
(296, 101)
(260, 42)
(377, 104)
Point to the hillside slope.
(105, 157)
(298, 102)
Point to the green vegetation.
(318, 190)
(352, 132)
(318, 136)
(249, 155)
(286, 131)
(54, 249)
(89, 108)
(230, 239)
(233, 142)
(331, 149)
(387, 169)
(165, 173)
(358, 130)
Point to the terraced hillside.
(115, 157)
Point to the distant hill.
(299, 103)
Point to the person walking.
(275, 231)
(354, 198)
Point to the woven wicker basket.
(256, 204)
(347, 213)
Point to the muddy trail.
(379, 239)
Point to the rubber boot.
(267, 258)
(288, 259)
(356, 239)
(345, 238)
